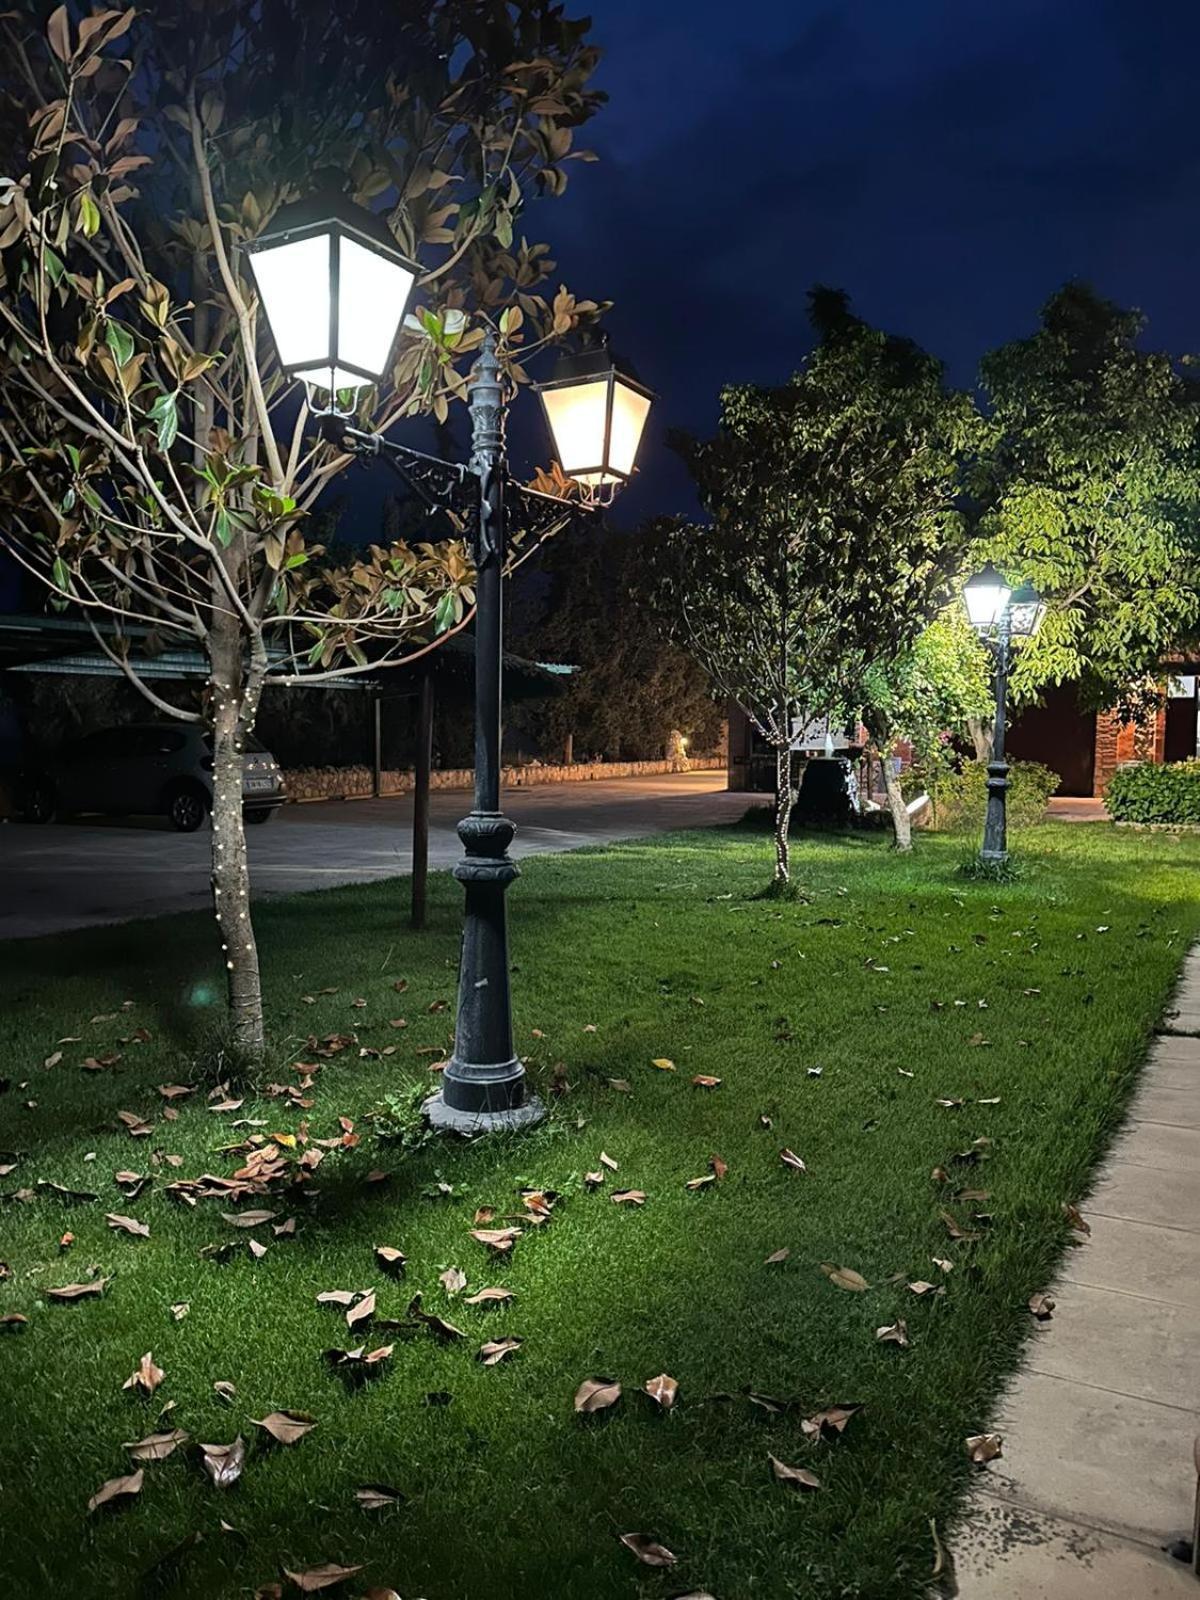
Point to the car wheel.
(186, 808)
(39, 802)
(260, 815)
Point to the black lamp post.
(334, 288)
(1000, 615)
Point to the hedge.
(1146, 792)
(960, 799)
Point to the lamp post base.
(512, 1119)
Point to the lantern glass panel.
(578, 415)
(629, 413)
(372, 294)
(985, 597)
(293, 284)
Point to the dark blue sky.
(948, 162)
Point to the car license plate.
(257, 785)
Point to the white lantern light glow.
(1026, 608)
(333, 286)
(596, 413)
(986, 596)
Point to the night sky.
(947, 162)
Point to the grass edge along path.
(945, 1058)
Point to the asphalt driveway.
(73, 875)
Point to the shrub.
(1144, 792)
(961, 797)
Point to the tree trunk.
(901, 821)
(982, 730)
(783, 812)
(230, 871)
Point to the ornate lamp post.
(1000, 615)
(334, 289)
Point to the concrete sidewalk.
(1097, 1473)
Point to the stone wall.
(345, 783)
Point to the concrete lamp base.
(471, 1124)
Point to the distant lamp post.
(334, 290)
(596, 413)
(1001, 616)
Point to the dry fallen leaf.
(662, 1389)
(363, 1311)
(322, 1577)
(146, 1376)
(920, 1287)
(157, 1446)
(984, 1447)
(834, 1418)
(894, 1333)
(634, 1197)
(1075, 1218)
(224, 1462)
(703, 1081)
(286, 1427)
(224, 1390)
(1042, 1306)
(117, 1489)
(648, 1550)
(702, 1182)
(955, 1229)
(663, 1063)
(496, 1350)
(797, 1475)
(489, 1297)
(596, 1394)
(943, 1262)
(498, 1239)
(248, 1219)
(378, 1496)
(122, 1224)
(607, 1161)
(777, 1256)
(391, 1260)
(791, 1159)
(844, 1277)
(453, 1280)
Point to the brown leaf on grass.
(362, 1311)
(955, 1229)
(360, 1363)
(662, 1390)
(1042, 1306)
(175, 1091)
(943, 1262)
(227, 1105)
(489, 1297)
(497, 1239)
(497, 1350)
(800, 1476)
(117, 1489)
(920, 1287)
(607, 1161)
(984, 1447)
(339, 1297)
(594, 1180)
(648, 1550)
(1075, 1217)
(391, 1259)
(285, 1230)
(621, 1085)
(248, 1219)
(791, 1159)
(322, 1577)
(453, 1280)
(378, 1496)
(224, 1390)
(101, 1063)
(286, 1427)
(13, 1320)
(954, 1104)
(596, 1394)
(69, 1197)
(845, 1277)
(146, 1376)
(894, 1333)
(717, 1167)
(437, 1325)
(224, 1462)
(777, 1256)
(663, 1063)
(138, 1128)
(634, 1197)
(703, 1081)
(833, 1419)
(483, 1215)
(157, 1446)
(703, 1182)
(978, 1039)
(180, 1310)
(79, 1291)
(120, 1224)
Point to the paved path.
(73, 875)
(1072, 808)
(1097, 1472)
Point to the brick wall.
(1118, 742)
(335, 783)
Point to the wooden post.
(377, 786)
(424, 762)
(569, 749)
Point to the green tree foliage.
(633, 685)
(155, 470)
(1091, 490)
(834, 529)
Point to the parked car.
(148, 769)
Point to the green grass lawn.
(902, 983)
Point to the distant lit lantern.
(596, 414)
(333, 287)
(985, 596)
(1026, 608)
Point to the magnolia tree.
(156, 471)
